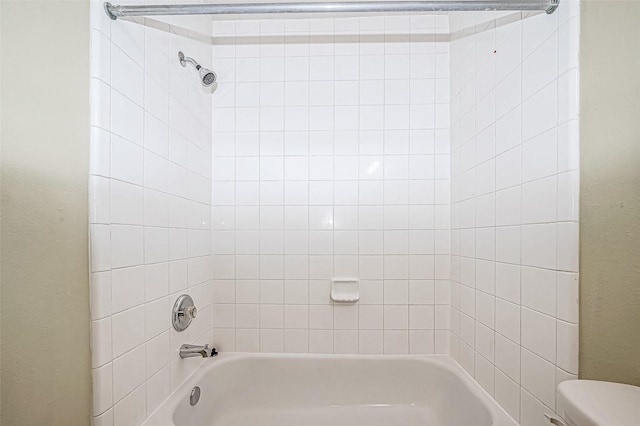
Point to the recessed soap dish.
(345, 290)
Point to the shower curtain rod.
(116, 12)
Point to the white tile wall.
(150, 212)
(328, 151)
(514, 193)
(331, 159)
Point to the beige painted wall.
(45, 369)
(610, 191)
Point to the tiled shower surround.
(331, 160)
(432, 157)
(514, 204)
(150, 212)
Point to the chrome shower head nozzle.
(207, 77)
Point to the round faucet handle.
(191, 312)
(183, 312)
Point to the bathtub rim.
(163, 414)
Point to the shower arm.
(118, 11)
(185, 59)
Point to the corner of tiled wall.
(150, 211)
(514, 178)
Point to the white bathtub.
(330, 390)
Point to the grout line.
(520, 189)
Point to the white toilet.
(595, 403)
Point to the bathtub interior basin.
(315, 390)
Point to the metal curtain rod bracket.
(115, 11)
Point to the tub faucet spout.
(188, 351)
